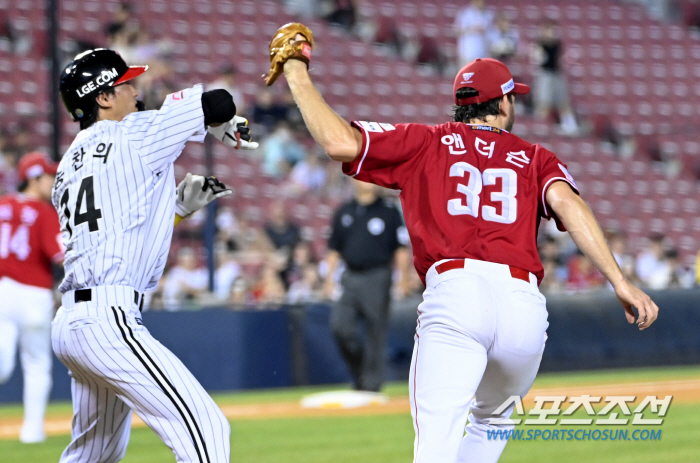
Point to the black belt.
(85, 295)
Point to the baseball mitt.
(284, 46)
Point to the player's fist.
(291, 41)
(234, 133)
(194, 192)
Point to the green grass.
(389, 438)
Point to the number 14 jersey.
(115, 194)
(30, 240)
(468, 191)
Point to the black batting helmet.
(89, 74)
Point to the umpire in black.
(369, 236)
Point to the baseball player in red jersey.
(473, 195)
(30, 242)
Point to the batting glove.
(195, 192)
(234, 133)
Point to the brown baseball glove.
(284, 46)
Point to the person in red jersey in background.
(30, 243)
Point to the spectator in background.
(15, 36)
(502, 39)
(267, 112)
(551, 91)
(226, 79)
(269, 289)
(551, 282)
(307, 288)
(342, 13)
(239, 295)
(300, 258)
(583, 275)
(283, 234)
(618, 245)
(651, 259)
(430, 54)
(670, 274)
(250, 241)
(308, 174)
(281, 152)
(293, 116)
(185, 282)
(554, 272)
(227, 228)
(388, 34)
(369, 236)
(225, 274)
(120, 19)
(337, 184)
(133, 42)
(472, 25)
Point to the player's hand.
(194, 192)
(234, 133)
(631, 296)
(292, 41)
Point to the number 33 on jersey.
(468, 190)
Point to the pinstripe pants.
(116, 367)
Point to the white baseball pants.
(480, 335)
(25, 320)
(117, 366)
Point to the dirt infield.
(685, 391)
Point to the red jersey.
(30, 240)
(469, 191)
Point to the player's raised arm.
(579, 221)
(290, 52)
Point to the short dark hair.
(91, 115)
(466, 113)
(23, 186)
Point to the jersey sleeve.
(160, 136)
(550, 170)
(50, 235)
(389, 154)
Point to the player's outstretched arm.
(579, 221)
(290, 52)
(333, 133)
(195, 192)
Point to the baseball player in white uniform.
(473, 195)
(117, 201)
(29, 246)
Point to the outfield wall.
(248, 349)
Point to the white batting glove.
(194, 192)
(234, 133)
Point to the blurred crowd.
(264, 266)
(656, 266)
(274, 263)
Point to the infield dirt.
(683, 391)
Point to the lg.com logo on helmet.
(103, 79)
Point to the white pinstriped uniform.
(115, 195)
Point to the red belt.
(515, 272)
